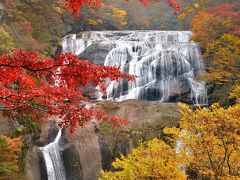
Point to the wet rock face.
(71, 160)
(96, 146)
(35, 169)
(165, 63)
(96, 53)
(87, 146)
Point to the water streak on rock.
(165, 62)
(53, 160)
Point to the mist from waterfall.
(165, 63)
(53, 161)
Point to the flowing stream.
(53, 160)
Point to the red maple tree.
(76, 5)
(30, 83)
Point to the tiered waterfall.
(166, 63)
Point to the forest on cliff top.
(32, 90)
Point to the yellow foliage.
(181, 16)
(6, 42)
(119, 16)
(193, 8)
(152, 160)
(196, 5)
(171, 131)
(235, 93)
(94, 22)
(212, 138)
(225, 56)
(58, 8)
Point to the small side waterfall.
(52, 157)
(165, 62)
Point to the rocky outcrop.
(8, 126)
(95, 146)
(86, 143)
(33, 165)
(96, 53)
(146, 121)
(143, 113)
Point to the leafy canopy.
(217, 31)
(10, 150)
(76, 5)
(152, 160)
(47, 87)
(211, 137)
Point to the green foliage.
(22, 159)
(30, 126)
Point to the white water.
(51, 152)
(53, 161)
(165, 62)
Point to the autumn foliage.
(76, 5)
(217, 31)
(10, 151)
(211, 137)
(205, 146)
(152, 160)
(30, 83)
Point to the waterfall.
(165, 63)
(53, 161)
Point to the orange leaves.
(10, 149)
(216, 30)
(213, 23)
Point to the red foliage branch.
(28, 85)
(76, 5)
(225, 10)
(228, 11)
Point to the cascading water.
(165, 63)
(53, 161)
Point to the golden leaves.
(212, 137)
(154, 159)
(119, 16)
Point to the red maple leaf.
(27, 86)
